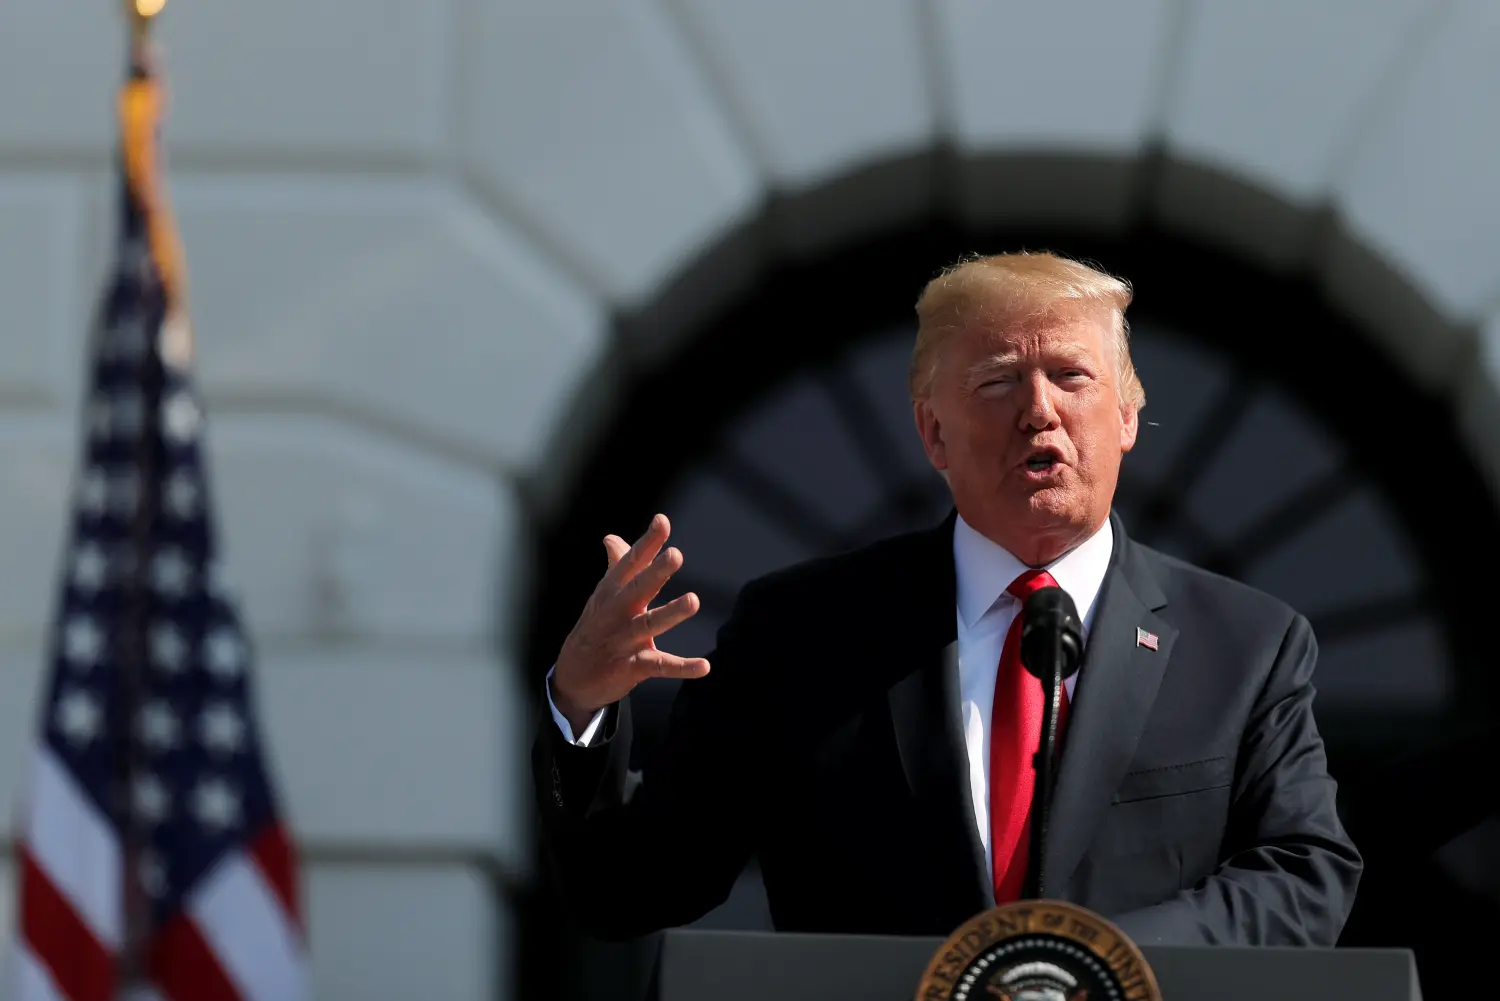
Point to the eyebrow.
(999, 360)
(1075, 354)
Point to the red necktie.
(1015, 731)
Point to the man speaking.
(865, 725)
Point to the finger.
(660, 664)
(655, 621)
(615, 549)
(644, 550)
(649, 582)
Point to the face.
(1027, 422)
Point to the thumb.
(615, 548)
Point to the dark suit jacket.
(1193, 802)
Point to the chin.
(1052, 506)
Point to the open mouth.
(1043, 460)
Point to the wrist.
(573, 711)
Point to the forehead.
(1087, 331)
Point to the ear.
(1130, 426)
(931, 430)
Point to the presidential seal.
(1038, 950)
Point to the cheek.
(986, 437)
(1096, 437)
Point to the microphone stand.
(1042, 762)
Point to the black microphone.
(1051, 647)
(1051, 635)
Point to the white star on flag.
(79, 717)
(83, 642)
(180, 418)
(93, 491)
(216, 804)
(170, 573)
(221, 728)
(168, 649)
(152, 801)
(89, 567)
(180, 496)
(226, 653)
(157, 726)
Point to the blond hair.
(1013, 288)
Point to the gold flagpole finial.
(142, 12)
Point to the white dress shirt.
(985, 611)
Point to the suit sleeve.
(1288, 871)
(636, 853)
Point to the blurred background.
(478, 281)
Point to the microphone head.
(1049, 622)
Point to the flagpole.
(132, 965)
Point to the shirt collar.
(985, 569)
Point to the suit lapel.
(924, 705)
(1117, 686)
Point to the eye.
(995, 384)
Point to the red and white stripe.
(239, 937)
(70, 916)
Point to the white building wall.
(408, 223)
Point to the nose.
(1037, 410)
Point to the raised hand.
(612, 647)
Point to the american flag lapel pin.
(1145, 639)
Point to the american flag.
(152, 861)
